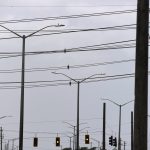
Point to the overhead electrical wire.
(67, 67)
(119, 27)
(101, 47)
(64, 82)
(69, 17)
(55, 32)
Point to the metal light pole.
(98, 142)
(1, 130)
(74, 130)
(24, 37)
(120, 107)
(78, 94)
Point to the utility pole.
(1, 138)
(132, 130)
(124, 145)
(141, 76)
(104, 126)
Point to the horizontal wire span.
(69, 17)
(68, 66)
(65, 82)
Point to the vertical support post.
(74, 137)
(119, 139)
(22, 96)
(1, 138)
(78, 84)
(70, 142)
(124, 145)
(132, 130)
(104, 126)
(141, 76)
(13, 140)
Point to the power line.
(66, 82)
(79, 49)
(40, 69)
(69, 17)
(45, 6)
(112, 28)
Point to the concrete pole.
(141, 76)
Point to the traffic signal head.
(115, 142)
(87, 139)
(57, 141)
(111, 140)
(35, 142)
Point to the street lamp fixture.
(120, 106)
(78, 90)
(24, 37)
(4, 117)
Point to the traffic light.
(115, 142)
(57, 141)
(35, 142)
(111, 140)
(87, 139)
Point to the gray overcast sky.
(46, 108)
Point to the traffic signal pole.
(119, 141)
(104, 124)
(78, 89)
(141, 76)
(132, 130)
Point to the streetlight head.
(60, 25)
(53, 72)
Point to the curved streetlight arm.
(95, 140)
(127, 103)
(4, 117)
(11, 31)
(65, 76)
(69, 124)
(59, 25)
(105, 99)
(90, 77)
(84, 129)
(73, 125)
